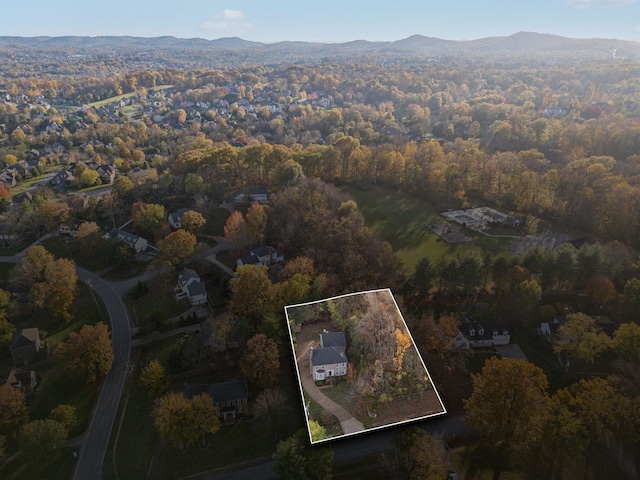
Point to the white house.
(139, 244)
(329, 360)
(481, 334)
(190, 285)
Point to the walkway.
(348, 423)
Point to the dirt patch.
(405, 410)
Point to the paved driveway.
(348, 423)
(511, 351)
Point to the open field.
(107, 101)
(403, 221)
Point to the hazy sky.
(324, 21)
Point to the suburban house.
(175, 218)
(481, 334)
(24, 345)
(191, 286)
(107, 173)
(24, 380)
(62, 178)
(8, 178)
(139, 244)
(550, 329)
(329, 360)
(262, 255)
(253, 195)
(22, 197)
(230, 397)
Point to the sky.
(322, 21)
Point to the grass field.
(107, 101)
(402, 220)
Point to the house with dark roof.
(230, 398)
(481, 334)
(23, 380)
(330, 359)
(191, 286)
(62, 178)
(24, 345)
(175, 218)
(263, 255)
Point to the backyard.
(140, 452)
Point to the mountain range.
(516, 45)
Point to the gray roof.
(488, 328)
(24, 338)
(176, 217)
(261, 251)
(188, 274)
(333, 339)
(196, 288)
(230, 390)
(328, 356)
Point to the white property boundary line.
(293, 350)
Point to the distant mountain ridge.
(522, 43)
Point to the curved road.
(94, 448)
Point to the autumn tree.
(580, 338)
(626, 341)
(177, 247)
(316, 431)
(507, 408)
(438, 338)
(65, 415)
(600, 290)
(296, 459)
(193, 221)
(87, 354)
(582, 418)
(184, 422)
(149, 218)
(256, 220)
(154, 378)
(413, 456)
(42, 437)
(261, 361)
(51, 214)
(251, 292)
(235, 231)
(14, 412)
(52, 283)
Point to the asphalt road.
(94, 448)
(369, 443)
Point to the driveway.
(510, 351)
(348, 423)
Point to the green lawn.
(158, 304)
(56, 466)
(216, 221)
(107, 101)
(140, 451)
(402, 220)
